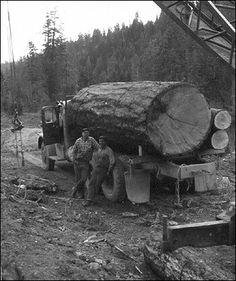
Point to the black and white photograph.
(117, 140)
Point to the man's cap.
(103, 138)
(85, 130)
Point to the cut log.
(220, 139)
(165, 118)
(221, 118)
(190, 263)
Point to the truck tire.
(114, 186)
(48, 163)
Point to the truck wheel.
(114, 186)
(48, 163)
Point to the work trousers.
(97, 177)
(81, 174)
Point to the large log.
(166, 118)
(190, 263)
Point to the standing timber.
(165, 118)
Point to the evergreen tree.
(53, 55)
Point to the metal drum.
(137, 182)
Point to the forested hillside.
(157, 50)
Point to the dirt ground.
(47, 241)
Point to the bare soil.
(47, 241)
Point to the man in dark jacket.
(104, 161)
(82, 154)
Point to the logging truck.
(156, 129)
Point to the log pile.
(165, 118)
(221, 121)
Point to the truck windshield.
(50, 115)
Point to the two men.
(82, 154)
(86, 148)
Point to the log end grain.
(179, 121)
(222, 120)
(220, 139)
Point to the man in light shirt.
(104, 161)
(82, 154)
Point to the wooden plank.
(198, 234)
(211, 152)
(189, 171)
(169, 169)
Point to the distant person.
(82, 154)
(60, 108)
(104, 161)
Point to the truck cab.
(54, 142)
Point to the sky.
(28, 18)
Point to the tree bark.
(190, 263)
(165, 118)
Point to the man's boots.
(77, 190)
(88, 202)
(80, 189)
